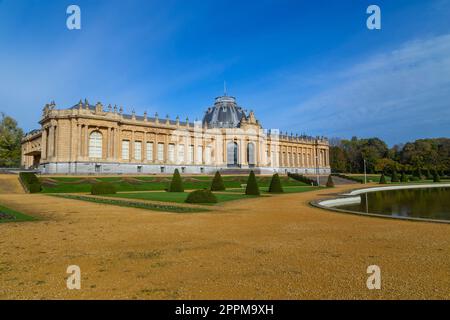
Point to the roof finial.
(224, 88)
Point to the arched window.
(232, 154)
(251, 153)
(95, 145)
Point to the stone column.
(44, 144)
(86, 141)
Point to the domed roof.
(224, 114)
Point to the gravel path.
(268, 248)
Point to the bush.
(429, 175)
(394, 177)
(252, 186)
(330, 183)
(176, 185)
(201, 196)
(404, 177)
(382, 179)
(103, 188)
(414, 178)
(418, 173)
(30, 182)
(436, 177)
(275, 184)
(217, 183)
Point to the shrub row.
(103, 188)
(30, 181)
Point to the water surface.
(428, 203)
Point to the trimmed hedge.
(302, 178)
(30, 181)
(217, 183)
(201, 196)
(103, 188)
(252, 185)
(176, 185)
(275, 184)
(330, 183)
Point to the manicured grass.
(286, 189)
(132, 204)
(13, 216)
(150, 183)
(178, 197)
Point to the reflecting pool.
(427, 203)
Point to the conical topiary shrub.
(275, 184)
(436, 177)
(382, 179)
(252, 185)
(394, 177)
(217, 183)
(330, 183)
(403, 177)
(176, 185)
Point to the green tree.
(252, 185)
(176, 185)
(217, 183)
(275, 184)
(10, 142)
(436, 177)
(394, 177)
(382, 179)
(404, 177)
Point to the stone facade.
(87, 139)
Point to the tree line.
(347, 156)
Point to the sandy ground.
(268, 248)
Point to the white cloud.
(398, 95)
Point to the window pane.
(95, 145)
(149, 151)
(125, 150)
(137, 150)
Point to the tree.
(338, 159)
(418, 173)
(252, 185)
(10, 142)
(275, 184)
(382, 179)
(330, 183)
(436, 177)
(217, 183)
(404, 177)
(394, 177)
(176, 185)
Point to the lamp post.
(365, 172)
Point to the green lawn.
(286, 189)
(178, 197)
(149, 183)
(9, 215)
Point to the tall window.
(181, 153)
(95, 145)
(149, 151)
(199, 154)
(208, 154)
(250, 153)
(160, 151)
(191, 154)
(171, 152)
(138, 150)
(125, 150)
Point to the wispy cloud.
(403, 92)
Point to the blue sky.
(303, 66)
